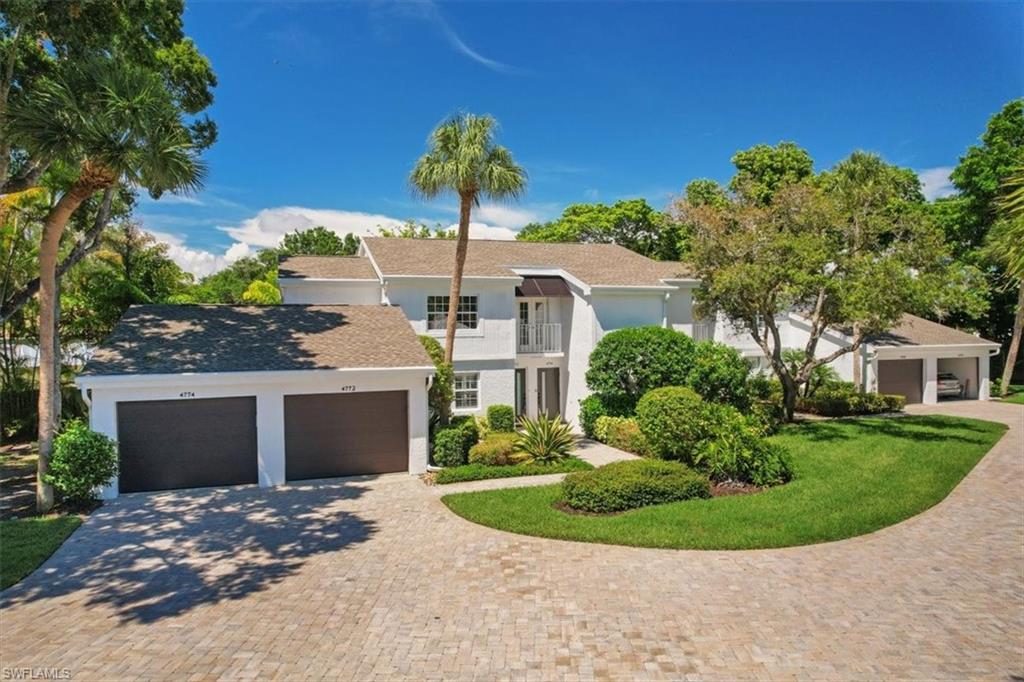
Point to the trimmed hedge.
(497, 449)
(674, 422)
(452, 442)
(622, 433)
(627, 363)
(631, 484)
(720, 374)
(481, 472)
(842, 401)
(82, 461)
(501, 418)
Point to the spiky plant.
(545, 439)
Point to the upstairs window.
(465, 317)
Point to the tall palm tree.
(1006, 246)
(113, 122)
(463, 159)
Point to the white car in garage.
(949, 386)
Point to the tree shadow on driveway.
(157, 555)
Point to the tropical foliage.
(545, 439)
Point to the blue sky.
(324, 107)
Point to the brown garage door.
(168, 444)
(900, 377)
(345, 434)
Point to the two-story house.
(334, 382)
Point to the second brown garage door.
(345, 434)
(901, 377)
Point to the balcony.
(703, 331)
(540, 338)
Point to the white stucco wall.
(582, 330)
(495, 336)
(618, 310)
(337, 292)
(497, 382)
(680, 310)
(269, 388)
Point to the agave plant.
(545, 439)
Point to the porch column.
(931, 377)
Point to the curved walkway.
(375, 579)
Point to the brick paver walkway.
(375, 579)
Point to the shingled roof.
(917, 331)
(326, 267)
(173, 339)
(593, 264)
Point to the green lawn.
(1015, 395)
(851, 477)
(26, 543)
(480, 472)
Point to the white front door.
(533, 315)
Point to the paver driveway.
(376, 579)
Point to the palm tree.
(462, 158)
(1006, 247)
(112, 122)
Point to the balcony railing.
(540, 338)
(703, 331)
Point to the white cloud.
(197, 261)
(483, 231)
(268, 226)
(505, 215)
(935, 182)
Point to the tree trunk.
(858, 381)
(789, 395)
(1011, 354)
(49, 360)
(465, 205)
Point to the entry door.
(548, 396)
(533, 315)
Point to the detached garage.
(200, 396)
(927, 362)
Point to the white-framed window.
(466, 316)
(467, 390)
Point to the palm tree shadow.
(154, 556)
(910, 427)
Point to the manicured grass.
(26, 543)
(851, 476)
(1014, 395)
(480, 472)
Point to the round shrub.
(82, 460)
(591, 408)
(628, 362)
(719, 374)
(501, 418)
(633, 483)
(622, 433)
(673, 421)
(497, 449)
(452, 443)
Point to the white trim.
(629, 288)
(229, 378)
(465, 278)
(348, 280)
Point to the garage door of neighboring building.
(901, 377)
(165, 444)
(345, 434)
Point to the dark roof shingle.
(917, 331)
(326, 267)
(172, 339)
(593, 264)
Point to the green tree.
(229, 285)
(116, 122)
(806, 251)
(763, 169)
(319, 241)
(442, 388)
(414, 230)
(463, 159)
(631, 223)
(262, 292)
(1005, 246)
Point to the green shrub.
(631, 484)
(82, 461)
(716, 439)
(480, 472)
(767, 415)
(501, 418)
(545, 440)
(719, 373)
(497, 449)
(591, 409)
(452, 442)
(622, 433)
(442, 388)
(627, 363)
(673, 421)
(843, 401)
